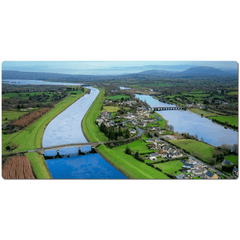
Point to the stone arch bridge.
(166, 108)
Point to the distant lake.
(189, 122)
(36, 82)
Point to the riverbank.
(31, 137)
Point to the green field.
(38, 165)
(135, 146)
(205, 113)
(233, 120)
(233, 159)
(89, 126)
(111, 108)
(233, 93)
(31, 137)
(24, 95)
(171, 167)
(203, 150)
(11, 115)
(118, 97)
(131, 167)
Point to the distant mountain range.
(192, 72)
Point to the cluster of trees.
(114, 133)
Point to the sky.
(110, 67)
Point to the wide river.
(66, 128)
(189, 122)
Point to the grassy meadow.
(233, 120)
(117, 97)
(11, 115)
(203, 150)
(171, 167)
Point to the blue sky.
(109, 67)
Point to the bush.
(128, 150)
(227, 168)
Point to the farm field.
(129, 165)
(233, 120)
(117, 97)
(34, 132)
(171, 167)
(17, 167)
(111, 108)
(202, 150)
(11, 115)
(233, 159)
(24, 95)
(89, 126)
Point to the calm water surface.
(186, 121)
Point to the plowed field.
(17, 167)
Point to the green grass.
(11, 115)
(131, 167)
(118, 97)
(203, 150)
(233, 159)
(31, 137)
(89, 126)
(233, 120)
(38, 165)
(135, 146)
(24, 95)
(111, 108)
(171, 167)
(205, 113)
(233, 93)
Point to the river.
(189, 122)
(66, 128)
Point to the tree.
(128, 150)
(127, 133)
(171, 128)
(137, 155)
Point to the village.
(140, 120)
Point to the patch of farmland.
(17, 167)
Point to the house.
(226, 162)
(133, 131)
(151, 128)
(166, 148)
(211, 175)
(164, 155)
(180, 176)
(153, 158)
(151, 140)
(155, 154)
(235, 171)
